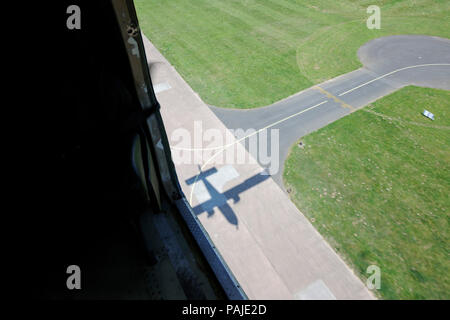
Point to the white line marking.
(252, 134)
(392, 72)
(243, 138)
(160, 87)
(317, 290)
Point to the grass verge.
(375, 185)
(248, 53)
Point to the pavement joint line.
(243, 138)
(392, 72)
(336, 99)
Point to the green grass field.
(375, 185)
(249, 53)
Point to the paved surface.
(389, 64)
(269, 245)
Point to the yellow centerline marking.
(336, 99)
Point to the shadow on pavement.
(219, 199)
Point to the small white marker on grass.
(428, 114)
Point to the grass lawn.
(251, 53)
(375, 184)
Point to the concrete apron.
(269, 245)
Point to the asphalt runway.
(389, 63)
